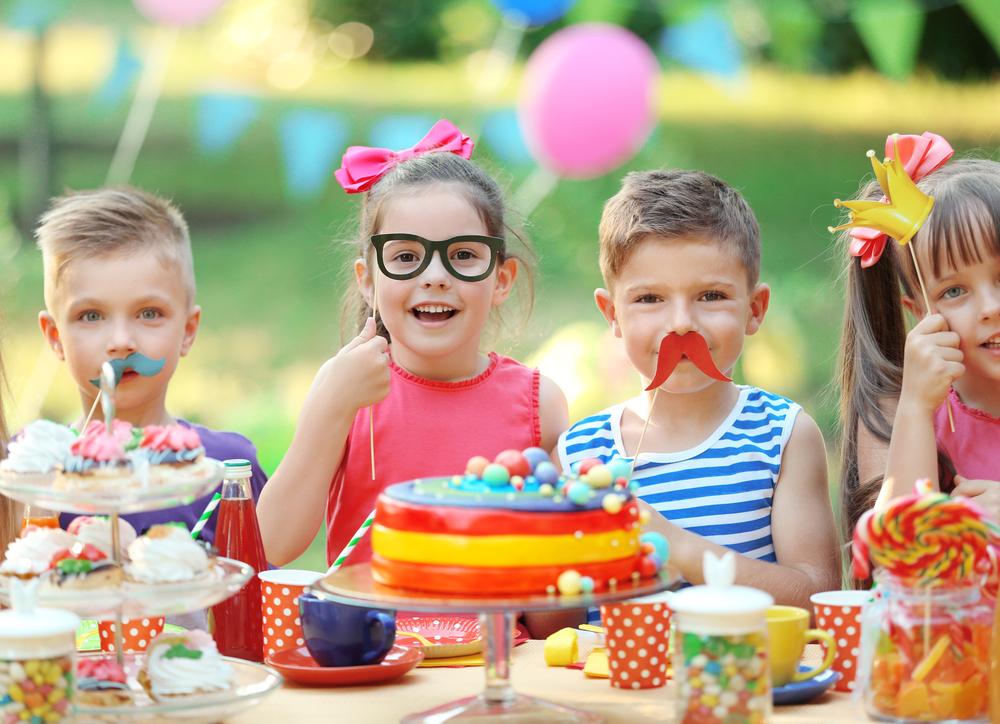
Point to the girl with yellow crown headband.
(899, 388)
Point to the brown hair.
(108, 221)
(672, 204)
(469, 180)
(963, 227)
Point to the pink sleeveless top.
(425, 428)
(973, 446)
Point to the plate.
(37, 489)
(446, 636)
(299, 666)
(800, 692)
(143, 600)
(252, 683)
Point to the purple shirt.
(219, 445)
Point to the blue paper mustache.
(137, 361)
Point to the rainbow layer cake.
(514, 526)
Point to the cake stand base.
(519, 708)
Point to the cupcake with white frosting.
(167, 554)
(42, 447)
(96, 530)
(185, 664)
(31, 554)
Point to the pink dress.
(426, 428)
(973, 446)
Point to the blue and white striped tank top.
(720, 489)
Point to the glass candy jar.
(926, 653)
(37, 651)
(720, 651)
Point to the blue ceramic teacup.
(340, 635)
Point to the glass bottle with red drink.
(237, 620)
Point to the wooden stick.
(93, 409)
(642, 435)
(371, 408)
(927, 306)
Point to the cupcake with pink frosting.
(172, 451)
(98, 458)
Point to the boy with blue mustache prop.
(119, 286)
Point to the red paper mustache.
(674, 347)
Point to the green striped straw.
(352, 544)
(209, 509)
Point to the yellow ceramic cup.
(788, 633)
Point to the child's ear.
(912, 306)
(506, 274)
(606, 305)
(760, 298)
(50, 331)
(363, 279)
(191, 325)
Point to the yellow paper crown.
(905, 211)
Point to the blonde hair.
(109, 221)
(671, 204)
(468, 179)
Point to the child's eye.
(149, 314)
(463, 254)
(952, 293)
(406, 257)
(90, 316)
(713, 297)
(648, 299)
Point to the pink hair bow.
(920, 155)
(362, 166)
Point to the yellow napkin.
(469, 660)
(597, 664)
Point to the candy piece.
(612, 503)
(496, 476)
(535, 455)
(598, 476)
(660, 545)
(547, 473)
(476, 465)
(648, 567)
(561, 647)
(931, 659)
(568, 583)
(579, 493)
(514, 461)
(914, 700)
(546, 490)
(586, 584)
(620, 469)
(517, 482)
(584, 466)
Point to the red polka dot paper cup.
(279, 606)
(136, 633)
(638, 638)
(839, 613)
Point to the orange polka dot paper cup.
(839, 614)
(136, 633)
(638, 638)
(279, 606)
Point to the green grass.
(270, 276)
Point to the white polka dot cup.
(638, 638)
(279, 607)
(136, 633)
(839, 614)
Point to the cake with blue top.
(515, 525)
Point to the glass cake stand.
(354, 586)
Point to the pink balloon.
(588, 99)
(177, 12)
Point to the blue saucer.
(799, 692)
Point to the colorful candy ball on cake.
(546, 473)
(612, 503)
(514, 461)
(620, 469)
(476, 465)
(583, 467)
(598, 476)
(568, 583)
(579, 493)
(496, 476)
(661, 548)
(535, 455)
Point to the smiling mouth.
(992, 343)
(433, 312)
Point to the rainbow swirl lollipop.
(926, 539)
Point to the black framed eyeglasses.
(470, 258)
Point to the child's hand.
(932, 362)
(985, 494)
(358, 375)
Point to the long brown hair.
(469, 180)
(963, 227)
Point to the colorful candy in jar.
(720, 652)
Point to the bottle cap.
(237, 467)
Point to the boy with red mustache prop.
(717, 465)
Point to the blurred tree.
(403, 30)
